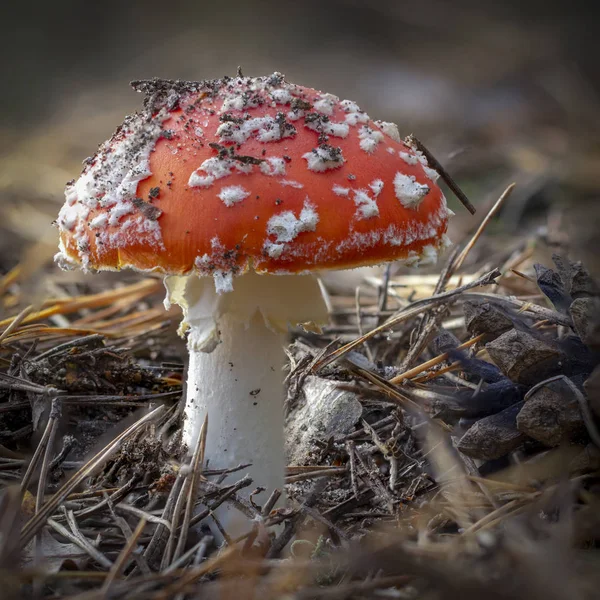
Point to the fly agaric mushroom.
(257, 183)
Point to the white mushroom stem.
(240, 386)
(236, 346)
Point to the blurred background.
(499, 91)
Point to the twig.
(123, 525)
(359, 321)
(461, 257)
(333, 471)
(197, 462)
(377, 487)
(434, 361)
(291, 526)
(15, 323)
(114, 498)
(123, 557)
(270, 503)
(61, 307)
(353, 476)
(197, 551)
(40, 449)
(229, 493)
(82, 543)
(55, 414)
(34, 524)
(413, 310)
(412, 141)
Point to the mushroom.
(257, 183)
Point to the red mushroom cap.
(222, 176)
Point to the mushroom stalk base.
(239, 385)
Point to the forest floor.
(459, 455)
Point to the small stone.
(524, 358)
(585, 313)
(587, 460)
(327, 411)
(484, 317)
(551, 415)
(552, 285)
(444, 342)
(582, 284)
(494, 436)
(592, 389)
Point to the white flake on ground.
(376, 185)
(118, 211)
(208, 264)
(350, 106)
(216, 168)
(99, 221)
(390, 129)
(369, 138)
(201, 181)
(366, 207)
(199, 131)
(429, 256)
(233, 103)
(281, 96)
(223, 281)
(273, 250)
(392, 235)
(337, 129)
(445, 241)
(422, 158)
(409, 192)
(431, 173)
(329, 127)
(70, 194)
(235, 132)
(233, 194)
(272, 132)
(354, 115)
(70, 214)
(339, 190)
(62, 259)
(408, 158)
(291, 183)
(444, 211)
(391, 150)
(264, 129)
(325, 103)
(437, 218)
(286, 226)
(294, 115)
(410, 235)
(201, 263)
(241, 97)
(324, 158)
(412, 260)
(273, 166)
